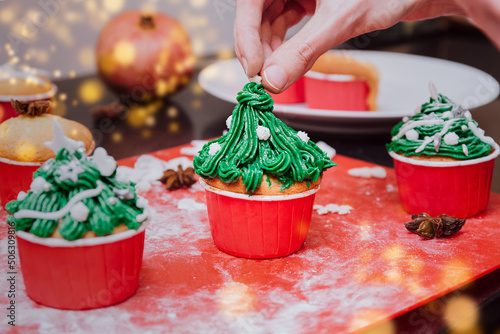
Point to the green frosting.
(65, 177)
(440, 128)
(280, 151)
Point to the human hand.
(261, 25)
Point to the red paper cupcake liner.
(293, 94)
(460, 188)
(6, 109)
(258, 227)
(15, 177)
(81, 274)
(324, 91)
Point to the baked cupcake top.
(259, 143)
(22, 137)
(440, 128)
(75, 194)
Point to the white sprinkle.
(447, 114)
(105, 163)
(468, 115)
(112, 200)
(263, 133)
(70, 171)
(464, 128)
(406, 119)
(411, 135)
(390, 188)
(213, 148)
(330, 151)
(228, 121)
(79, 212)
(39, 185)
(142, 202)
(368, 172)
(465, 149)
(451, 138)
(257, 79)
(333, 208)
(123, 193)
(22, 195)
(303, 135)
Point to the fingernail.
(245, 64)
(275, 77)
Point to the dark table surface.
(194, 114)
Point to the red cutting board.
(353, 271)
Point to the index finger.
(247, 27)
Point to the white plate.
(404, 82)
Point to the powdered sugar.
(332, 208)
(190, 205)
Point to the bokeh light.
(124, 53)
(91, 91)
(461, 314)
(235, 299)
(366, 317)
(113, 6)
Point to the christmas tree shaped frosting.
(259, 143)
(440, 127)
(76, 193)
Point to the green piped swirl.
(445, 110)
(103, 215)
(242, 154)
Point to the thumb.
(295, 57)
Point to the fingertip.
(274, 79)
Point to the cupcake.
(260, 180)
(21, 144)
(80, 232)
(443, 160)
(339, 82)
(24, 85)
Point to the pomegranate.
(143, 56)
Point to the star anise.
(34, 108)
(111, 110)
(429, 227)
(178, 179)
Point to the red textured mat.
(353, 271)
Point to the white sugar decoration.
(427, 140)
(71, 171)
(451, 138)
(112, 200)
(303, 135)
(214, 148)
(60, 213)
(332, 208)
(263, 133)
(464, 128)
(433, 90)
(257, 79)
(143, 186)
(406, 119)
(330, 151)
(22, 195)
(61, 141)
(411, 134)
(479, 133)
(465, 149)
(197, 145)
(79, 212)
(228, 121)
(39, 184)
(123, 193)
(368, 172)
(437, 141)
(190, 205)
(143, 204)
(468, 115)
(105, 163)
(447, 114)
